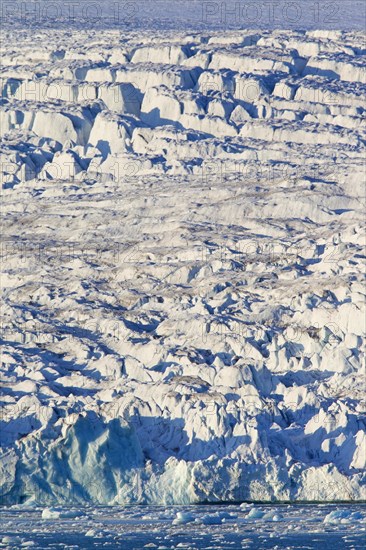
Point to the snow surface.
(183, 267)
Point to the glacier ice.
(183, 281)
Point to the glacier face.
(183, 284)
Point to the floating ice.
(56, 513)
(343, 516)
(182, 518)
(256, 513)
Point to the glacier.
(183, 251)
